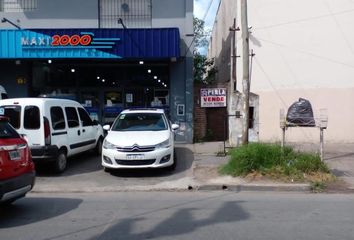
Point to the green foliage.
(273, 161)
(318, 187)
(204, 70)
(200, 34)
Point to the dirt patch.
(338, 186)
(204, 173)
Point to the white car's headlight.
(164, 144)
(108, 145)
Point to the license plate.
(14, 155)
(135, 156)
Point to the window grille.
(134, 13)
(17, 5)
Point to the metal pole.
(321, 144)
(245, 68)
(233, 57)
(283, 138)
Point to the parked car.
(54, 128)
(139, 138)
(17, 172)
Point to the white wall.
(304, 48)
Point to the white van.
(54, 128)
(3, 93)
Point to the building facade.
(303, 49)
(222, 48)
(107, 54)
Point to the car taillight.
(46, 131)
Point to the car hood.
(141, 138)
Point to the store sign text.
(213, 97)
(57, 40)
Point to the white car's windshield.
(140, 122)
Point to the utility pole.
(245, 72)
(233, 29)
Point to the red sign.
(213, 97)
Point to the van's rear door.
(27, 122)
(33, 125)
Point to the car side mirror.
(95, 122)
(174, 127)
(106, 127)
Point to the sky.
(201, 10)
(206, 10)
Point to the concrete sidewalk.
(197, 169)
(339, 157)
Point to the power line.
(308, 53)
(339, 27)
(276, 91)
(305, 19)
(206, 13)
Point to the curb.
(192, 187)
(258, 188)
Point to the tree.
(204, 69)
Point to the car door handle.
(78, 132)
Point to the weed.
(318, 187)
(275, 162)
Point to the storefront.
(106, 70)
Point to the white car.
(139, 138)
(55, 129)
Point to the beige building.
(303, 49)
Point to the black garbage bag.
(300, 114)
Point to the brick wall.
(200, 117)
(209, 123)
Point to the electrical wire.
(269, 81)
(305, 19)
(309, 53)
(339, 27)
(277, 93)
(205, 15)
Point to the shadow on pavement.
(185, 160)
(89, 163)
(79, 164)
(182, 221)
(31, 209)
(339, 156)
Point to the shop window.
(57, 116)
(113, 98)
(134, 13)
(14, 114)
(18, 5)
(32, 117)
(162, 96)
(85, 118)
(72, 117)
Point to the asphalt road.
(184, 215)
(85, 172)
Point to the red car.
(17, 172)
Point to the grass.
(271, 161)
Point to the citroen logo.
(135, 147)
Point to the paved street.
(186, 215)
(197, 167)
(85, 173)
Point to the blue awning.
(154, 43)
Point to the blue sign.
(89, 43)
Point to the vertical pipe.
(245, 71)
(99, 13)
(321, 144)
